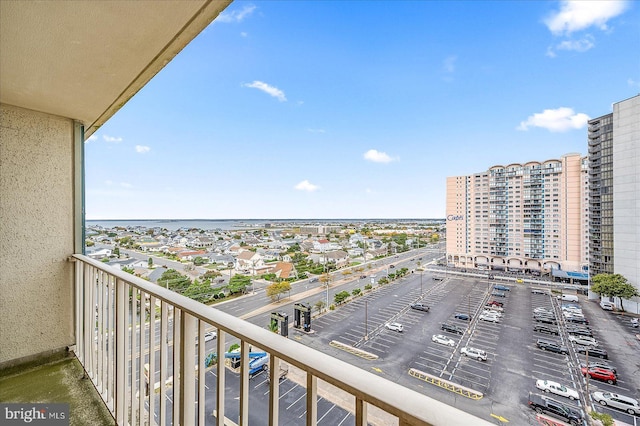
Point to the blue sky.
(361, 109)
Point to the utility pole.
(366, 330)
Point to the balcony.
(122, 319)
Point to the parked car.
(616, 400)
(489, 318)
(463, 317)
(600, 374)
(494, 308)
(452, 328)
(476, 353)
(394, 326)
(583, 340)
(210, 335)
(392, 266)
(545, 319)
(634, 322)
(496, 303)
(551, 407)
(498, 293)
(313, 280)
(579, 331)
(600, 364)
(543, 310)
(546, 345)
(556, 388)
(420, 307)
(607, 306)
(492, 312)
(542, 328)
(539, 291)
(577, 320)
(501, 288)
(363, 277)
(593, 351)
(443, 340)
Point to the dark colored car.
(597, 352)
(420, 307)
(545, 319)
(600, 374)
(463, 317)
(551, 407)
(452, 328)
(579, 331)
(501, 288)
(496, 303)
(546, 345)
(577, 320)
(363, 277)
(391, 266)
(541, 328)
(498, 294)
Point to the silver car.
(615, 400)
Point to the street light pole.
(421, 293)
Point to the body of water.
(230, 224)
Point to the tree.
(198, 291)
(116, 251)
(341, 297)
(238, 283)
(150, 262)
(275, 290)
(613, 285)
(319, 305)
(199, 261)
(174, 280)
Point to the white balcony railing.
(124, 322)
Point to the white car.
(476, 353)
(443, 340)
(210, 335)
(583, 340)
(494, 313)
(489, 318)
(615, 400)
(557, 388)
(541, 310)
(394, 326)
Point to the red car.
(496, 303)
(600, 374)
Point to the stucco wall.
(626, 191)
(36, 233)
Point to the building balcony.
(137, 348)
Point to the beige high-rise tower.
(529, 217)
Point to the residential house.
(284, 270)
(189, 255)
(249, 262)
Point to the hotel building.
(530, 217)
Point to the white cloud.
(236, 15)
(378, 157)
(141, 149)
(126, 185)
(633, 83)
(244, 34)
(91, 138)
(305, 185)
(316, 130)
(114, 139)
(369, 191)
(582, 45)
(270, 90)
(449, 64)
(556, 120)
(576, 15)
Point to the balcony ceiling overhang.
(85, 59)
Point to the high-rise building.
(530, 217)
(614, 178)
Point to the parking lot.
(513, 360)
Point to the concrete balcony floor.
(56, 380)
